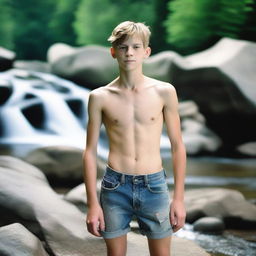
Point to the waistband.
(136, 178)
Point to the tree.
(194, 25)
(6, 25)
(158, 40)
(32, 37)
(62, 20)
(95, 19)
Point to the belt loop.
(146, 179)
(122, 179)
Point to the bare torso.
(133, 120)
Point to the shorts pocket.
(158, 187)
(110, 183)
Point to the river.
(238, 174)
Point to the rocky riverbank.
(35, 219)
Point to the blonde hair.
(130, 28)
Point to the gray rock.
(248, 148)
(34, 65)
(25, 193)
(61, 163)
(90, 66)
(229, 205)
(16, 240)
(209, 225)
(220, 80)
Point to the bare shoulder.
(99, 94)
(164, 89)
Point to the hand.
(177, 215)
(95, 220)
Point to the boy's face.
(130, 53)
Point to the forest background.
(30, 27)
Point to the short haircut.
(130, 28)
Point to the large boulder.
(16, 240)
(61, 164)
(226, 204)
(26, 197)
(90, 66)
(220, 80)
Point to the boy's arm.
(94, 218)
(172, 120)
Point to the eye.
(122, 47)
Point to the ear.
(112, 51)
(147, 52)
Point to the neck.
(131, 80)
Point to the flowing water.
(238, 174)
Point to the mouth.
(129, 61)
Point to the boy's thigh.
(160, 247)
(117, 246)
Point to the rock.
(59, 50)
(220, 80)
(16, 240)
(90, 66)
(32, 65)
(62, 164)
(77, 196)
(248, 149)
(226, 204)
(6, 59)
(209, 225)
(197, 137)
(26, 197)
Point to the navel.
(115, 121)
(152, 118)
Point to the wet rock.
(229, 205)
(6, 59)
(16, 240)
(209, 225)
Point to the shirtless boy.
(133, 108)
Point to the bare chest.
(125, 110)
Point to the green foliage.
(95, 19)
(61, 23)
(31, 34)
(158, 40)
(195, 24)
(6, 25)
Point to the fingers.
(92, 227)
(177, 220)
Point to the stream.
(238, 174)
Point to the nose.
(129, 51)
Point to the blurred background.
(52, 53)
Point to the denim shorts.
(145, 197)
